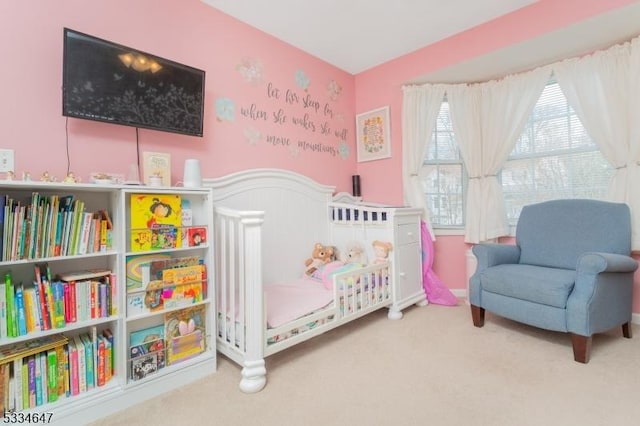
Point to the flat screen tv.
(105, 81)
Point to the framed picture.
(373, 135)
(158, 165)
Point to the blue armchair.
(569, 271)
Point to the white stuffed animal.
(355, 253)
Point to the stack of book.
(158, 283)
(147, 351)
(52, 303)
(44, 370)
(48, 226)
(185, 333)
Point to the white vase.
(192, 177)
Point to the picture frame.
(373, 135)
(157, 164)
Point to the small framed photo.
(156, 166)
(373, 135)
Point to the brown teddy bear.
(320, 256)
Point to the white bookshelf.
(120, 392)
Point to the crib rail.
(238, 271)
(357, 214)
(362, 290)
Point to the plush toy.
(355, 254)
(381, 251)
(320, 256)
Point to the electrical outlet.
(6, 160)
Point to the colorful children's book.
(185, 333)
(197, 235)
(156, 221)
(144, 366)
(148, 341)
(183, 286)
(138, 270)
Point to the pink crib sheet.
(289, 301)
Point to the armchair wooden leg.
(581, 347)
(626, 330)
(477, 314)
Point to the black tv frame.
(97, 85)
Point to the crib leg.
(394, 313)
(254, 376)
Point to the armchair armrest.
(601, 297)
(491, 254)
(595, 263)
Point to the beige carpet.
(430, 368)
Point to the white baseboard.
(462, 294)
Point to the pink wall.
(382, 85)
(195, 34)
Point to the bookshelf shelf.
(67, 329)
(109, 250)
(133, 318)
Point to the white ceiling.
(379, 32)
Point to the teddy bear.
(321, 255)
(355, 254)
(381, 251)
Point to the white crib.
(266, 223)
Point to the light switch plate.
(6, 160)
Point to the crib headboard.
(295, 215)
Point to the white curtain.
(420, 107)
(604, 90)
(487, 119)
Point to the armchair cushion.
(538, 284)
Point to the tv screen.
(108, 82)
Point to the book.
(145, 342)
(5, 375)
(185, 332)
(156, 164)
(84, 274)
(21, 313)
(89, 360)
(182, 286)
(100, 361)
(12, 325)
(187, 220)
(138, 270)
(159, 212)
(144, 366)
(62, 368)
(74, 374)
(31, 381)
(110, 364)
(39, 379)
(18, 383)
(3, 310)
(82, 364)
(52, 375)
(197, 235)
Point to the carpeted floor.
(431, 367)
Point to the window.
(553, 158)
(444, 175)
